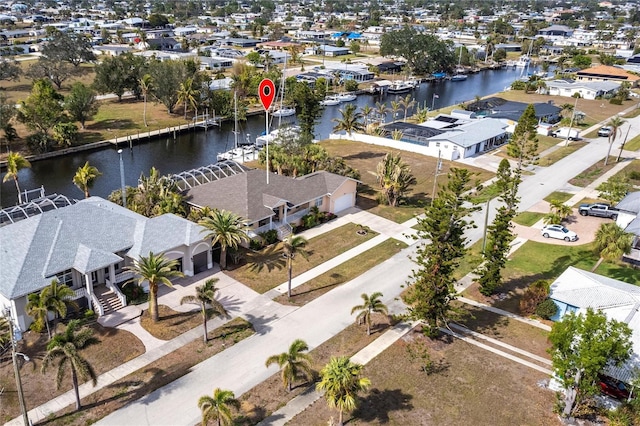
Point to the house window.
(318, 202)
(437, 144)
(65, 277)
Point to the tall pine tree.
(499, 234)
(432, 285)
(523, 145)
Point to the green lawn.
(266, 269)
(590, 174)
(558, 196)
(342, 273)
(534, 261)
(528, 218)
(560, 153)
(633, 144)
(470, 261)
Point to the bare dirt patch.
(471, 387)
(115, 347)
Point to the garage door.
(343, 203)
(200, 262)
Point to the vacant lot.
(470, 386)
(366, 157)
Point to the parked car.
(599, 210)
(605, 131)
(613, 388)
(559, 232)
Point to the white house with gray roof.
(577, 290)
(87, 246)
(586, 89)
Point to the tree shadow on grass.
(377, 405)
(365, 155)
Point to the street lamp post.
(16, 370)
(122, 187)
(433, 101)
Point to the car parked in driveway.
(605, 131)
(559, 232)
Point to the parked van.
(566, 133)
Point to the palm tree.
(15, 163)
(37, 309)
(407, 103)
(559, 212)
(366, 113)
(227, 229)
(341, 383)
(146, 84)
(156, 269)
(381, 110)
(394, 177)
(85, 177)
(218, 407)
(187, 95)
(57, 297)
(615, 124)
(611, 243)
(294, 364)
(206, 295)
(294, 244)
(65, 347)
(370, 305)
(351, 120)
(395, 107)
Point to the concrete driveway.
(585, 226)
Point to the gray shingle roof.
(249, 196)
(84, 236)
(630, 203)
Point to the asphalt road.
(241, 367)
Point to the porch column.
(187, 263)
(89, 287)
(112, 274)
(284, 208)
(270, 222)
(209, 258)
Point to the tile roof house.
(86, 246)
(280, 203)
(607, 73)
(576, 290)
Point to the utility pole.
(16, 370)
(623, 142)
(571, 123)
(435, 177)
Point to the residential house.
(278, 204)
(629, 220)
(328, 50)
(555, 32)
(86, 246)
(607, 73)
(577, 290)
(510, 111)
(586, 89)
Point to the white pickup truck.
(567, 133)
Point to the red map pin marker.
(267, 91)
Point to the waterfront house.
(86, 246)
(586, 89)
(629, 220)
(607, 73)
(279, 204)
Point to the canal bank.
(195, 148)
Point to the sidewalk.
(238, 299)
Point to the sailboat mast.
(235, 117)
(284, 73)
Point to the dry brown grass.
(171, 323)
(266, 269)
(343, 273)
(115, 348)
(470, 386)
(592, 173)
(365, 158)
(270, 395)
(153, 376)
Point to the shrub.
(533, 296)
(634, 175)
(256, 244)
(615, 101)
(134, 293)
(546, 309)
(351, 85)
(270, 236)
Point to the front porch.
(284, 227)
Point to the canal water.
(197, 148)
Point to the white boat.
(238, 153)
(523, 61)
(459, 77)
(346, 97)
(285, 132)
(284, 112)
(398, 87)
(330, 101)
